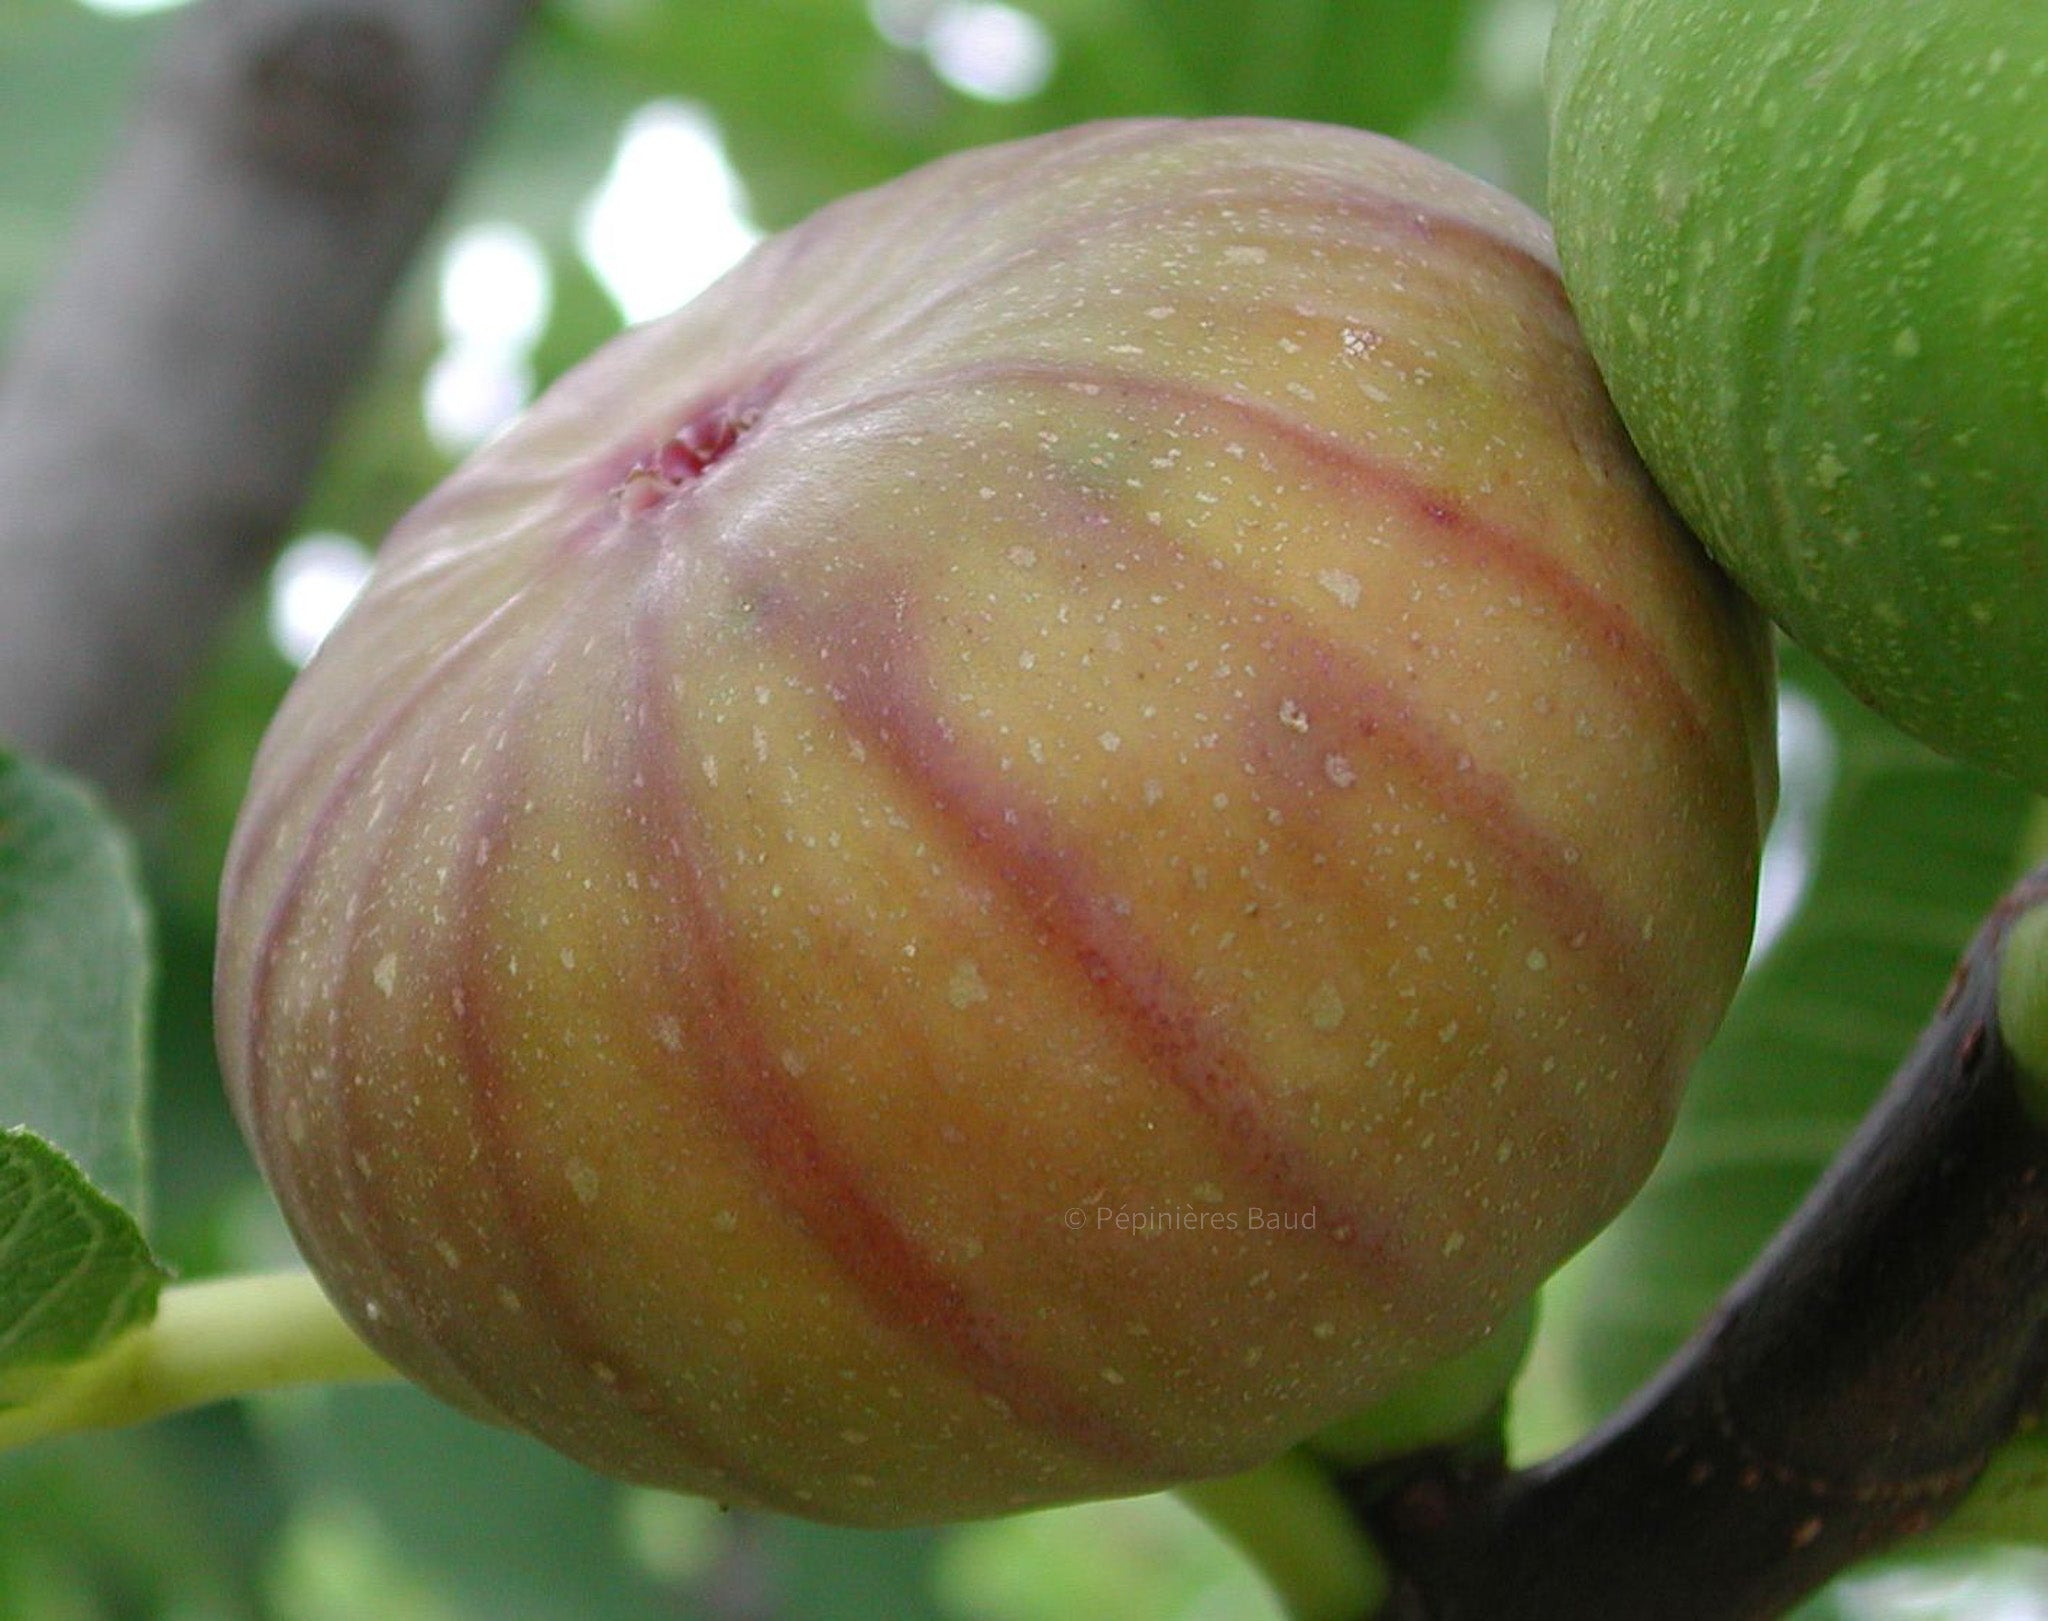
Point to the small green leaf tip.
(75, 1270)
(2023, 1001)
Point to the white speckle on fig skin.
(1005, 776)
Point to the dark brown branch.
(168, 394)
(1846, 1394)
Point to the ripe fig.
(1090, 812)
(1809, 243)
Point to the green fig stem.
(1847, 1392)
(209, 1341)
(1456, 1403)
(1289, 1518)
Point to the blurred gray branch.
(170, 391)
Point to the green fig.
(1809, 243)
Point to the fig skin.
(1809, 244)
(1087, 814)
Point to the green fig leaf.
(75, 1270)
(75, 979)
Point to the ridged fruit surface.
(1809, 243)
(1085, 815)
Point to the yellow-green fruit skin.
(1084, 816)
(1809, 243)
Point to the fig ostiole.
(1087, 815)
(1809, 243)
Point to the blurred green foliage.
(332, 1506)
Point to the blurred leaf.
(203, 1178)
(510, 1531)
(334, 1565)
(75, 1272)
(825, 1573)
(815, 103)
(495, 1526)
(117, 1526)
(808, 94)
(74, 978)
(1912, 851)
(560, 109)
(581, 318)
(1139, 1559)
(1380, 64)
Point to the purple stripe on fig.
(1352, 697)
(1459, 533)
(258, 831)
(962, 214)
(897, 1278)
(859, 646)
(1393, 219)
(1462, 535)
(863, 646)
(1453, 245)
(560, 1314)
(268, 1126)
(370, 1220)
(1352, 694)
(1435, 228)
(278, 771)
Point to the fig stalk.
(1289, 1518)
(209, 1341)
